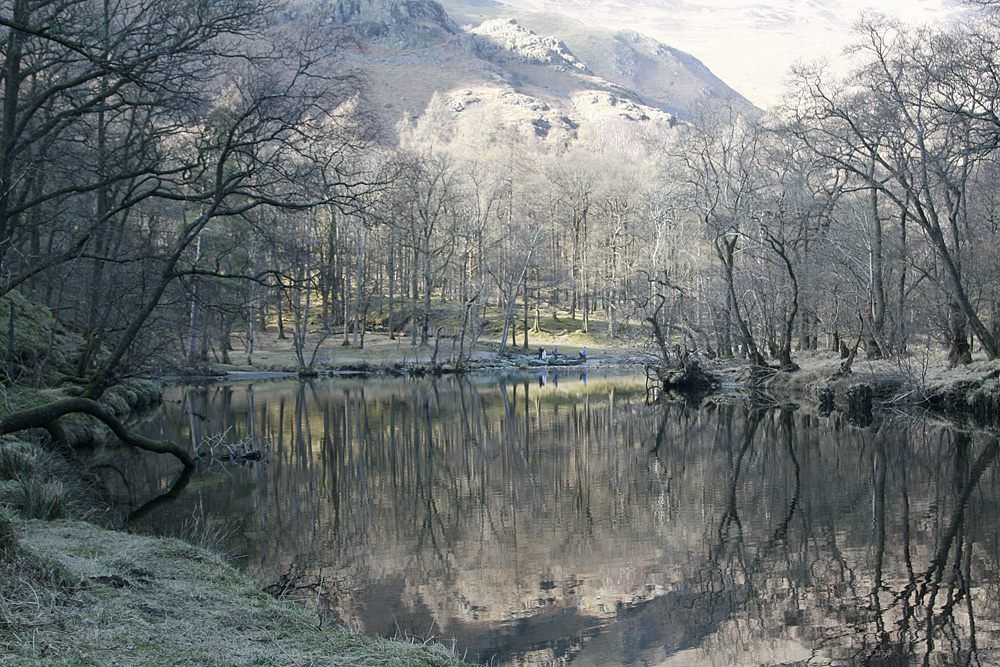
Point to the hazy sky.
(749, 45)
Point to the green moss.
(82, 430)
(31, 324)
(22, 398)
(30, 337)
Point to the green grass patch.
(37, 498)
(18, 459)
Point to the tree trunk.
(876, 310)
(346, 282)
(194, 321)
(392, 290)
(281, 315)
(959, 350)
(726, 252)
(963, 313)
(900, 332)
(525, 319)
(251, 335)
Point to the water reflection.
(540, 523)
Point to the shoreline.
(963, 393)
(111, 597)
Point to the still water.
(547, 520)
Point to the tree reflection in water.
(542, 522)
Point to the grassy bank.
(921, 380)
(76, 594)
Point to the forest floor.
(331, 352)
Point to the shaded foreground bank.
(75, 594)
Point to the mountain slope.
(398, 24)
(751, 45)
(550, 85)
(659, 74)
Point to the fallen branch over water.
(47, 417)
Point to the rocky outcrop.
(399, 24)
(595, 104)
(504, 41)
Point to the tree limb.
(45, 417)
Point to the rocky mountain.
(549, 78)
(751, 45)
(395, 24)
(662, 76)
(505, 41)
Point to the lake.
(549, 519)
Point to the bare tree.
(127, 77)
(510, 270)
(253, 147)
(484, 191)
(575, 178)
(721, 154)
(423, 208)
(914, 133)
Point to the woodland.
(177, 176)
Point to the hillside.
(549, 77)
(750, 45)
(661, 75)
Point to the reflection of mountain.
(536, 525)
